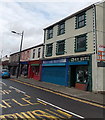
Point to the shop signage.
(101, 56)
(101, 53)
(77, 59)
(54, 61)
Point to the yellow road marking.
(42, 103)
(7, 104)
(64, 113)
(73, 98)
(19, 103)
(28, 101)
(29, 115)
(54, 113)
(32, 116)
(5, 91)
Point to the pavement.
(84, 95)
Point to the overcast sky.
(32, 16)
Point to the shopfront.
(24, 68)
(34, 69)
(55, 71)
(13, 68)
(80, 75)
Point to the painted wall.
(98, 73)
(36, 53)
(25, 55)
(70, 33)
(14, 58)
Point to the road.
(20, 100)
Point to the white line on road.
(20, 91)
(60, 108)
(3, 83)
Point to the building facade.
(35, 63)
(25, 57)
(13, 63)
(72, 50)
(5, 62)
(30, 62)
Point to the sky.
(32, 16)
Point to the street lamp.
(21, 34)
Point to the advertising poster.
(101, 56)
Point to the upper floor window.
(61, 28)
(27, 55)
(60, 47)
(33, 53)
(50, 33)
(80, 43)
(81, 20)
(39, 50)
(49, 50)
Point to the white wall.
(36, 53)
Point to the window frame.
(33, 56)
(39, 51)
(50, 33)
(61, 28)
(58, 44)
(49, 47)
(81, 20)
(79, 37)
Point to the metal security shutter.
(56, 75)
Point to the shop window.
(82, 75)
(50, 33)
(33, 53)
(80, 43)
(61, 28)
(49, 50)
(39, 50)
(60, 48)
(81, 20)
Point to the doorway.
(78, 74)
(82, 74)
(72, 76)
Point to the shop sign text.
(76, 59)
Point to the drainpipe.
(95, 43)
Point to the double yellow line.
(57, 93)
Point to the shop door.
(72, 76)
(82, 77)
(82, 74)
(55, 74)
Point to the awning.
(35, 64)
(23, 62)
(54, 64)
(79, 63)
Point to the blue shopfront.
(75, 71)
(55, 71)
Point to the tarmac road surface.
(20, 100)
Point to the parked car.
(5, 73)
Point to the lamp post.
(21, 34)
